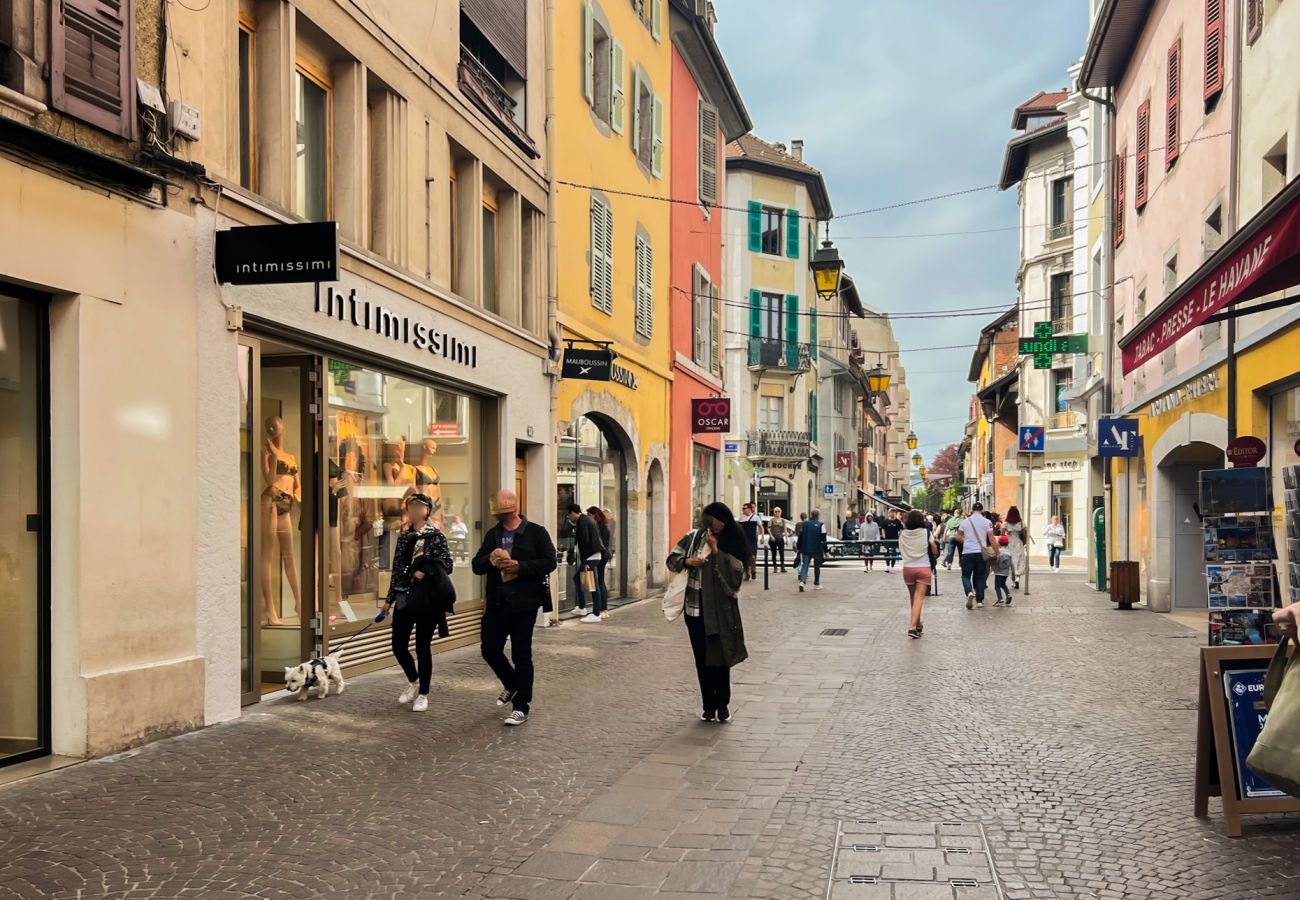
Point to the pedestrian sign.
(1031, 438)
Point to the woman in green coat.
(714, 555)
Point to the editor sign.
(711, 415)
(1245, 452)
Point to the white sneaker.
(421, 703)
(409, 694)
(817, 587)
(518, 717)
(590, 618)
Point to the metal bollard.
(767, 562)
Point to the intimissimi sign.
(380, 320)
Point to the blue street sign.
(731, 449)
(1031, 438)
(1117, 437)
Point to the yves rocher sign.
(711, 415)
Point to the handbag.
(588, 581)
(1276, 754)
(674, 600)
(990, 552)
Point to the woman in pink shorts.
(916, 547)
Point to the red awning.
(1263, 257)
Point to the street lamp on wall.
(878, 380)
(911, 440)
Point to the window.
(773, 222)
(598, 70)
(1171, 273)
(837, 398)
(1274, 177)
(1141, 159)
(1212, 231)
(312, 169)
(1213, 49)
(648, 127)
(1254, 20)
(494, 54)
(602, 255)
(92, 60)
(1062, 381)
(453, 229)
(1173, 80)
(490, 300)
(651, 15)
(771, 413)
(771, 316)
(1095, 292)
(1118, 194)
(644, 288)
(247, 84)
(1140, 308)
(1062, 188)
(705, 322)
(708, 178)
(1062, 320)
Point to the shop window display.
(388, 438)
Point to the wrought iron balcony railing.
(1059, 231)
(494, 89)
(771, 353)
(777, 444)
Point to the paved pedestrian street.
(1039, 751)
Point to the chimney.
(796, 149)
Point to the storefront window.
(589, 473)
(1284, 439)
(704, 490)
(389, 438)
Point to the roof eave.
(1115, 31)
(704, 58)
(1016, 156)
(816, 185)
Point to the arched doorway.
(773, 491)
(592, 471)
(656, 504)
(1178, 486)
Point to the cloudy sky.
(898, 100)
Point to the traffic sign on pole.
(1031, 438)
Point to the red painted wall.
(696, 238)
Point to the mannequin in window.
(427, 482)
(283, 490)
(399, 476)
(345, 474)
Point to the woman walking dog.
(420, 595)
(715, 555)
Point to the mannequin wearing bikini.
(427, 481)
(397, 474)
(283, 490)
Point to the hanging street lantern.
(923, 473)
(878, 380)
(911, 440)
(827, 267)
(916, 459)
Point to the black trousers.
(497, 626)
(715, 681)
(778, 553)
(424, 623)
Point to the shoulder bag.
(1276, 754)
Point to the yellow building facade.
(611, 219)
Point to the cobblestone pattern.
(1061, 728)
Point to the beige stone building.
(201, 482)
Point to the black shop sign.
(278, 254)
(587, 364)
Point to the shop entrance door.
(279, 533)
(1062, 505)
(24, 542)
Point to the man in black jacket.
(588, 547)
(516, 556)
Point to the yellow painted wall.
(595, 155)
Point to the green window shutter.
(792, 233)
(792, 331)
(588, 56)
(755, 314)
(644, 288)
(617, 99)
(755, 227)
(637, 124)
(812, 330)
(812, 415)
(656, 18)
(657, 147)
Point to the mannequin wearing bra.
(427, 481)
(401, 475)
(283, 490)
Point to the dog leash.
(339, 648)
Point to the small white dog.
(315, 674)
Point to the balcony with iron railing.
(1060, 231)
(787, 356)
(493, 98)
(763, 444)
(1070, 419)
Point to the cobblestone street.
(1052, 742)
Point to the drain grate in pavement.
(948, 859)
(834, 632)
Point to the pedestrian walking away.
(869, 534)
(751, 525)
(798, 530)
(1055, 535)
(777, 529)
(954, 539)
(714, 557)
(419, 595)
(517, 557)
(812, 550)
(917, 548)
(1017, 540)
(1003, 568)
(976, 535)
(588, 553)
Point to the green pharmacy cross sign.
(1044, 345)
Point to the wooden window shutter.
(755, 313)
(92, 63)
(812, 330)
(715, 338)
(644, 288)
(588, 56)
(1142, 155)
(1254, 20)
(637, 123)
(792, 233)
(1173, 85)
(792, 331)
(708, 154)
(602, 255)
(657, 136)
(617, 95)
(656, 18)
(755, 227)
(1213, 48)
(1118, 192)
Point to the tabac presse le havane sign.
(278, 254)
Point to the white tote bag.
(675, 596)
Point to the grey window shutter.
(644, 288)
(92, 62)
(708, 154)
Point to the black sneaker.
(724, 715)
(914, 633)
(505, 697)
(1008, 601)
(707, 716)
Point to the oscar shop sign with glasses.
(710, 415)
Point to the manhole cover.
(834, 632)
(923, 858)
